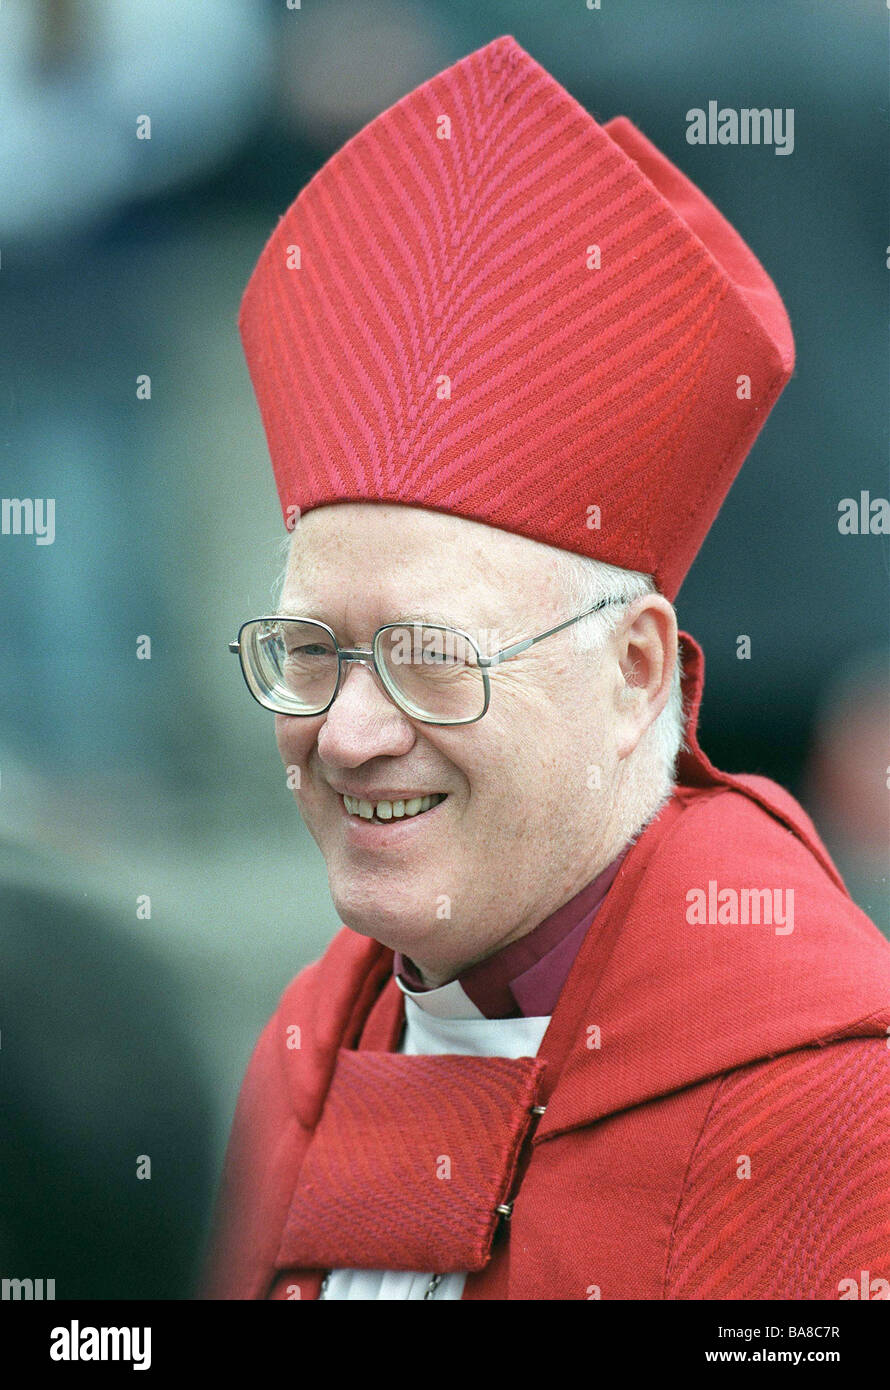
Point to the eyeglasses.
(435, 674)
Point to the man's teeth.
(391, 810)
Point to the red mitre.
(487, 304)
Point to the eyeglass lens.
(432, 671)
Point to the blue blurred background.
(124, 1035)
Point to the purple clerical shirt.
(524, 978)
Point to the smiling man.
(508, 363)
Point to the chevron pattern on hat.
(488, 304)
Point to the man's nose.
(363, 722)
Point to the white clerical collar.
(446, 1001)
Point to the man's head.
(573, 756)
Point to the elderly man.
(602, 1020)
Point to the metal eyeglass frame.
(367, 656)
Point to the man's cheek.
(292, 742)
(281, 738)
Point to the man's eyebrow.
(415, 616)
(427, 617)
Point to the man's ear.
(646, 643)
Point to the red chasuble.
(707, 1116)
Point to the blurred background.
(121, 779)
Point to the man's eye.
(310, 649)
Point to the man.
(602, 1020)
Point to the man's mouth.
(385, 812)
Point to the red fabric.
(716, 1043)
(424, 258)
(825, 1204)
(438, 1137)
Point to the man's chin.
(406, 929)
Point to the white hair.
(584, 581)
(278, 584)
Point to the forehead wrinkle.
(492, 627)
(421, 614)
(487, 636)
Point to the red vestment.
(717, 1092)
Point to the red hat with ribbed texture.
(487, 304)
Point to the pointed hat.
(487, 304)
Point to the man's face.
(521, 829)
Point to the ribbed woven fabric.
(811, 1220)
(487, 304)
(409, 1162)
